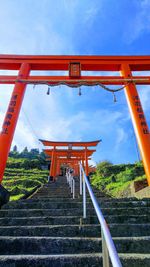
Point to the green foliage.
(103, 168)
(24, 172)
(16, 197)
(141, 178)
(21, 182)
(23, 163)
(33, 154)
(114, 179)
(116, 189)
(126, 175)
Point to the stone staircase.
(48, 229)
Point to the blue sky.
(61, 27)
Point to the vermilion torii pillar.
(11, 117)
(86, 162)
(52, 162)
(138, 119)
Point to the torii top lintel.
(75, 65)
(89, 63)
(72, 144)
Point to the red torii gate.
(75, 65)
(72, 163)
(68, 154)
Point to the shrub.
(102, 168)
(113, 179)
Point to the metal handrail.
(106, 236)
(71, 182)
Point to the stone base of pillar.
(4, 195)
(50, 179)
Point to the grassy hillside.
(22, 176)
(116, 179)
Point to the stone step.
(117, 230)
(127, 219)
(61, 220)
(52, 196)
(74, 204)
(66, 190)
(62, 194)
(47, 197)
(63, 190)
(51, 189)
(67, 260)
(48, 229)
(66, 198)
(79, 199)
(54, 193)
(77, 245)
(71, 211)
(85, 260)
(48, 245)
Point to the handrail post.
(67, 176)
(73, 185)
(80, 181)
(69, 180)
(105, 253)
(84, 198)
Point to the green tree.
(14, 153)
(15, 149)
(103, 168)
(24, 153)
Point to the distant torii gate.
(72, 163)
(70, 154)
(75, 65)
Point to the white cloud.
(92, 163)
(24, 136)
(139, 22)
(121, 138)
(144, 92)
(5, 94)
(90, 14)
